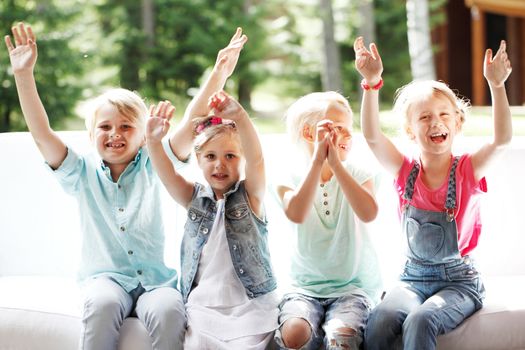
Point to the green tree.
(59, 67)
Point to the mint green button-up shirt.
(121, 222)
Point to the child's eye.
(230, 156)
(104, 127)
(423, 117)
(210, 156)
(126, 126)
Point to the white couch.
(40, 303)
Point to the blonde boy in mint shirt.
(335, 274)
(118, 195)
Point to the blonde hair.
(211, 131)
(415, 90)
(128, 103)
(310, 109)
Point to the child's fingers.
(237, 35)
(22, 31)
(30, 34)
(170, 110)
(8, 43)
(152, 110)
(488, 57)
(375, 52)
(16, 36)
(358, 43)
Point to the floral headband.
(212, 120)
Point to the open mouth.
(439, 137)
(115, 145)
(219, 176)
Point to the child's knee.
(295, 333)
(345, 338)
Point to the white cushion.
(44, 313)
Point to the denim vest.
(246, 234)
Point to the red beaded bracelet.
(377, 86)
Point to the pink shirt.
(467, 211)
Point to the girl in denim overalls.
(438, 201)
(227, 280)
(334, 271)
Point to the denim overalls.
(440, 288)
(247, 237)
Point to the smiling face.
(433, 122)
(116, 137)
(221, 161)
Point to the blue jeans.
(107, 304)
(326, 316)
(432, 300)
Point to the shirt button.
(119, 186)
(139, 272)
(193, 216)
(241, 271)
(322, 185)
(327, 212)
(122, 228)
(325, 194)
(205, 230)
(238, 214)
(325, 203)
(235, 247)
(130, 252)
(121, 209)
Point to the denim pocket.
(193, 222)
(237, 217)
(425, 241)
(462, 272)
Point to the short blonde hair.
(310, 109)
(128, 103)
(211, 131)
(415, 90)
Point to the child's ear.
(409, 132)
(307, 133)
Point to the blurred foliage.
(87, 46)
(59, 65)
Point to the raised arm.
(157, 127)
(224, 106)
(496, 70)
(298, 202)
(368, 63)
(23, 57)
(182, 139)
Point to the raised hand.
(159, 121)
(498, 68)
(323, 130)
(368, 62)
(227, 58)
(24, 53)
(226, 107)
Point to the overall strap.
(450, 203)
(411, 180)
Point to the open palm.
(23, 55)
(227, 58)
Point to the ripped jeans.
(326, 317)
